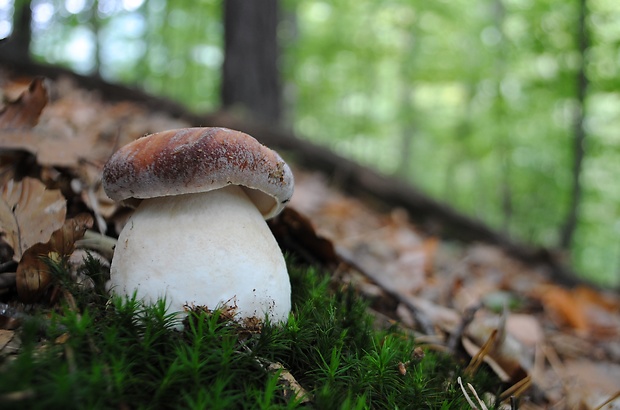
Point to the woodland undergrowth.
(96, 352)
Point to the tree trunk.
(17, 46)
(579, 133)
(407, 106)
(500, 111)
(250, 75)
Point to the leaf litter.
(29, 213)
(558, 346)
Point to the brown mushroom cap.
(191, 160)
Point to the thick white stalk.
(208, 249)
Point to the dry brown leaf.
(62, 339)
(565, 307)
(14, 87)
(292, 389)
(525, 328)
(7, 166)
(52, 147)
(590, 384)
(33, 275)
(29, 213)
(5, 337)
(25, 111)
(63, 240)
(607, 301)
(9, 343)
(429, 247)
(295, 232)
(508, 358)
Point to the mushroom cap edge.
(201, 159)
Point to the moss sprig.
(119, 353)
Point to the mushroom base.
(210, 249)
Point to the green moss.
(122, 354)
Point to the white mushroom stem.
(210, 249)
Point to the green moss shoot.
(118, 353)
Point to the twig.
(466, 319)
(18, 396)
(285, 378)
(517, 389)
(484, 406)
(475, 393)
(288, 381)
(469, 400)
(612, 398)
(97, 242)
(477, 360)
(514, 403)
(94, 203)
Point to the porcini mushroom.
(199, 235)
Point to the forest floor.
(558, 347)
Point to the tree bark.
(504, 145)
(579, 133)
(17, 46)
(250, 74)
(407, 106)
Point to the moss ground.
(117, 353)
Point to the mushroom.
(199, 235)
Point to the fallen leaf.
(63, 240)
(33, 275)
(590, 383)
(525, 328)
(29, 213)
(10, 344)
(9, 317)
(291, 387)
(294, 232)
(561, 303)
(14, 87)
(51, 146)
(8, 161)
(605, 300)
(5, 337)
(429, 248)
(509, 359)
(25, 111)
(62, 339)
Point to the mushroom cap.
(192, 160)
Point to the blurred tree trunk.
(250, 75)
(17, 46)
(579, 133)
(96, 26)
(407, 105)
(504, 144)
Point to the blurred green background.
(483, 104)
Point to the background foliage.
(476, 102)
